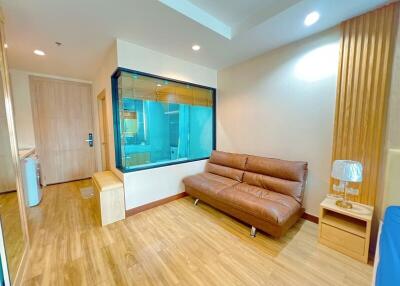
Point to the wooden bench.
(109, 196)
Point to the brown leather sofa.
(263, 192)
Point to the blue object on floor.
(388, 272)
(33, 192)
(1, 275)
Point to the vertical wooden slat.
(366, 48)
(338, 98)
(364, 71)
(372, 123)
(341, 96)
(350, 91)
(366, 119)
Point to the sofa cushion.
(285, 187)
(285, 177)
(209, 184)
(271, 206)
(236, 161)
(227, 172)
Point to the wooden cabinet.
(109, 196)
(346, 230)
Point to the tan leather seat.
(259, 202)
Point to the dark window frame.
(116, 119)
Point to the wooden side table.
(346, 230)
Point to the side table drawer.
(344, 240)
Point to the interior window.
(160, 122)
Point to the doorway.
(103, 128)
(62, 117)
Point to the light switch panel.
(353, 192)
(337, 188)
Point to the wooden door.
(62, 114)
(105, 158)
(7, 172)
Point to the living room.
(241, 143)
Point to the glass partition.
(13, 241)
(159, 121)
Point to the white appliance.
(31, 181)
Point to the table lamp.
(346, 171)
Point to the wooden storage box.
(109, 197)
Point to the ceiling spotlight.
(195, 48)
(5, 46)
(39, 52)
(311, 18)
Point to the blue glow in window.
(160, 122)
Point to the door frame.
(8, 102)
(103, 130)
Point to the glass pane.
(11, 227)
(162, 122)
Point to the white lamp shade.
(347, 170)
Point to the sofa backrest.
(281, 176)
(227, 165)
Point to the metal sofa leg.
(196, 202)
(253, 231)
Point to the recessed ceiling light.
(159, 85)
(39, 53)
(195, 48)
(311, 18)
(5, 46)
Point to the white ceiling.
(241, 15)
(237, 10)
(87, 29)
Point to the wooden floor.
(12, 231)
(174, 244)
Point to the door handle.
(90, 139)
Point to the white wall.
(393, 126)
(390, 181)
(146, 186)
(143, 187)
(22, 108)
(281, 104)
(102, 82)
(138, 58)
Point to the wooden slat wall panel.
(362, 91)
